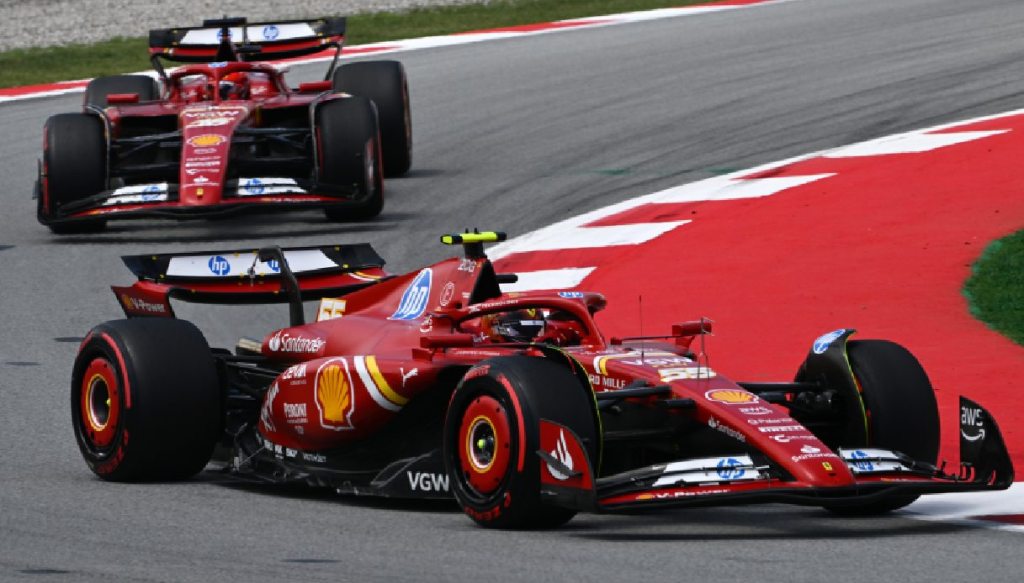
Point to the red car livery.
(437, 384)
(226, 133)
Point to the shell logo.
(731, 396)
(334, 395)
(206, 140)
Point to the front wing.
(161, 201)
(747, 479)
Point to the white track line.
(573, 233)
(548, 279)
(911, 143)
(967, 507)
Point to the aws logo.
(333, 393)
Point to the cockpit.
(195, 85)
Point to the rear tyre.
(492, 420)
(74, 167)
(385, 83)
(98, 89)
(145, 400)
(900, 406)
(349, 148)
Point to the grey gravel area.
(38, 23)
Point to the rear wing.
(235, 39)
(247, 276)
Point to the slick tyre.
(348, 145)
(98, 89)
(491, 436)
(900, 406)
(74, 168)
(145, 400)
(385, 83)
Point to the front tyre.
(491, 435)
(74, 168)
(348, 146)
(900, 406)
(145, 400)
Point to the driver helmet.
(515, 326)
(234, 86)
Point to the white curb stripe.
(573, 234)
(911, 143)
(592, 237)
(965, 508)
(568, 278)
(731, 186)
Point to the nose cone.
(206, 143)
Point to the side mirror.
(692, 328)
(315, 87)
(121, 98)
(685, 332)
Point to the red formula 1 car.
(226, 133)
(437, 384)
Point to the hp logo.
(219, 266)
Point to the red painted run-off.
(883, 246)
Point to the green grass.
(125, 55)
(995, 289)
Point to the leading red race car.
(226, 133)
(435, 383)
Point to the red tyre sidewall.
(103, 448)
(487, 414)
(100, 403)
(521, 477)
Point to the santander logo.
(282, 341)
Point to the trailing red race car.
(226, 133)
(437, 384)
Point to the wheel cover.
(485, 441)
(100, 406)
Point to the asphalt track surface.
(514, 135)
